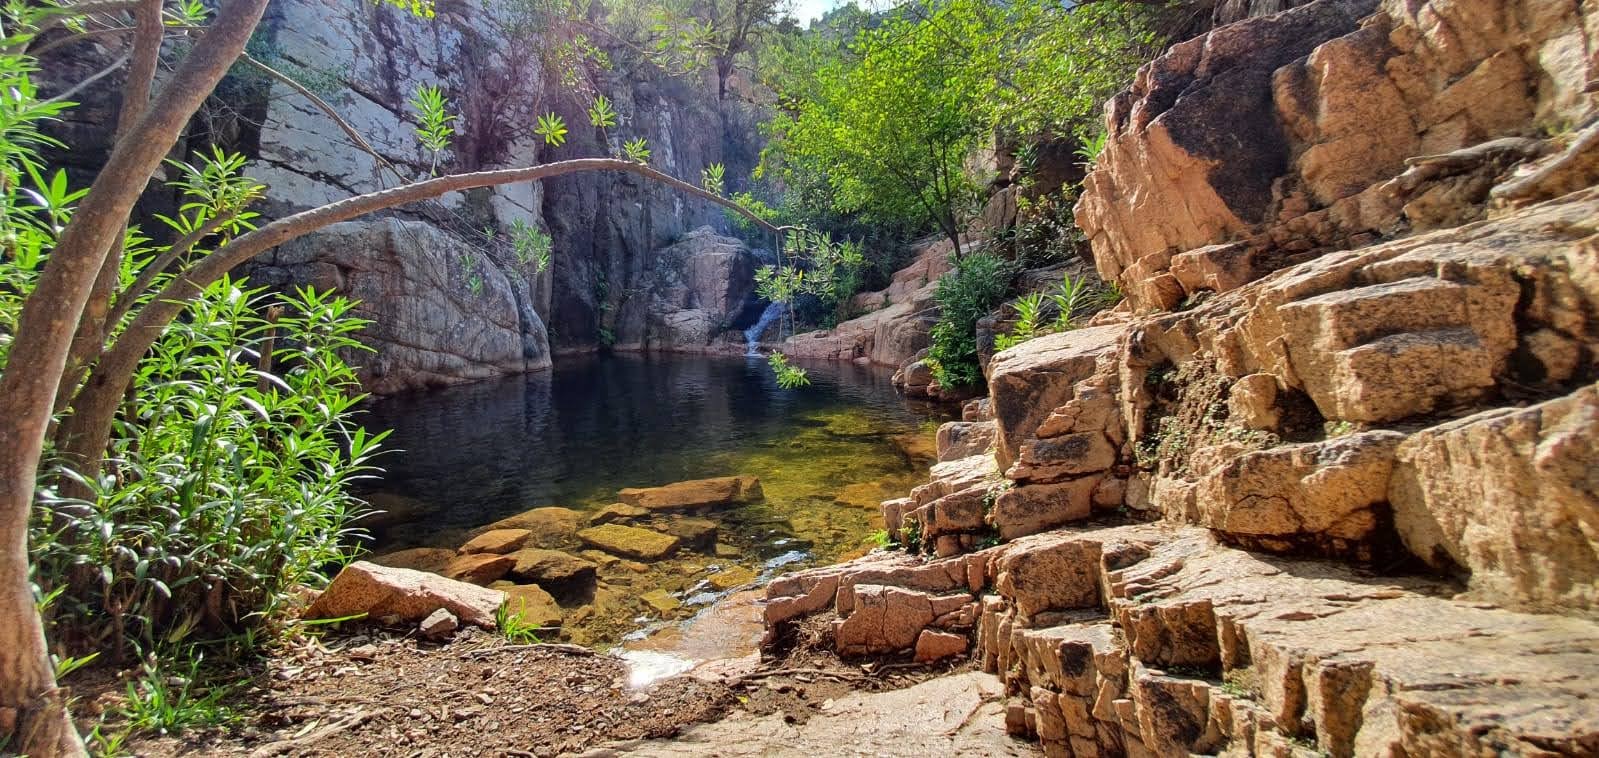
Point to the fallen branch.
(558, 647)
(287, 746)
(799, 672)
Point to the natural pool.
(826, 455)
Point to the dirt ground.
(377, 693)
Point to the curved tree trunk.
(32, 714)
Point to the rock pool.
(549, 453)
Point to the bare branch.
(98, 75)
(322, 105)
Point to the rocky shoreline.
(1324, 483)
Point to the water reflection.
(471, 455)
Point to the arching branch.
(87, 431)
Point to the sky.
(810, 10)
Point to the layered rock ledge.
(1327, 483)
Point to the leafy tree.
(889, 127)
(683, 36)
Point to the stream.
(557, 446)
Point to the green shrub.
(227, 483)
(976, 286)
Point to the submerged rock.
(382, 591)
(618, 512)
(662, 601)
(631, 541)
(697, 533)
(733, 576)
(696, 494)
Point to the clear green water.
(826, 455)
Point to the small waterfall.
(752, 335)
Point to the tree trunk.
(30, 703)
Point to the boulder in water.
(478, 568)
(432, 559)
(531, 603)
(695, 494)
(559, 573)
(550, 526)
(631, 541)
(697, 533)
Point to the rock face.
(380, 591)
(1327, 483)
(897, 323)
(1511, 495)
(1331, 98)
(704, 286)
(449, 297)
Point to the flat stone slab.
(631, 541)
(951, 715)
(695, 494)
(499, 541)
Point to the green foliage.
(418, 8)
(910, 530)
(880, 539)
(228, 480)
(1069, 297)
(1092, 146)
(714, 179)
(167, 697)
(601, 114)
(1051, 65)
(514, 628)
(812, 264)
(637, 150)
(878, 120)
(1028, 309)
(1046, 230)
(976, 286)
(434, 122)
(552, 128)
(754, 205)
(789, 377)
(685, 36)
(531, 245)
(886, 129)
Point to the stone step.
(1351, 317)
(1402, 374)
(1383, 352)
(1155, 640)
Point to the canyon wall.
(1326, 482)
(449, 298)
